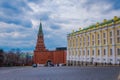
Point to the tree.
(1, 50)
(1, 57)
(12, 58)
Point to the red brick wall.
(58, 56)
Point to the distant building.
(97, 44)
(42, 55)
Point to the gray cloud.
(20, 19)
(14, 12)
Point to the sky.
(20, 19)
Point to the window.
(92, 42)
(76, 53)
(104, 52)
(104, 59)
(83, 41)
(88, 43)
(98, 52)
(110, 40)
(118, 51)
(118, 36)
(76, 42)
(88, 52)
(118, 32)
(83, 38)
(93, 52)
(110, 34)
(118, 39)
(111, 60)
(73, 44)
(84, 44)
(88, 38)
(83, 53)
(103, 35)
(79, 53)
(98, 36)
(98, 42)
(111, 52)
(80, 43)
(104, 41)
(93, 37)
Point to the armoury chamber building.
(98, 44)
(42, 55)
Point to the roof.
(97, 25)
(40, 32)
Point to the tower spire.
(40, 32)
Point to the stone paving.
(59, 73)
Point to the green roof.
(40, 32)
(94, 26)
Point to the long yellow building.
(97, 44)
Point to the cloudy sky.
(19, 20)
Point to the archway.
(49, 63)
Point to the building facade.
(42, 55)
(97, 44)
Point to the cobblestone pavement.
(59, 73)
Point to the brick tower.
(40, 46)
(42, 55)
(40, 40)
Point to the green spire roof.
(40, 29)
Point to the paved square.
(59, 73)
